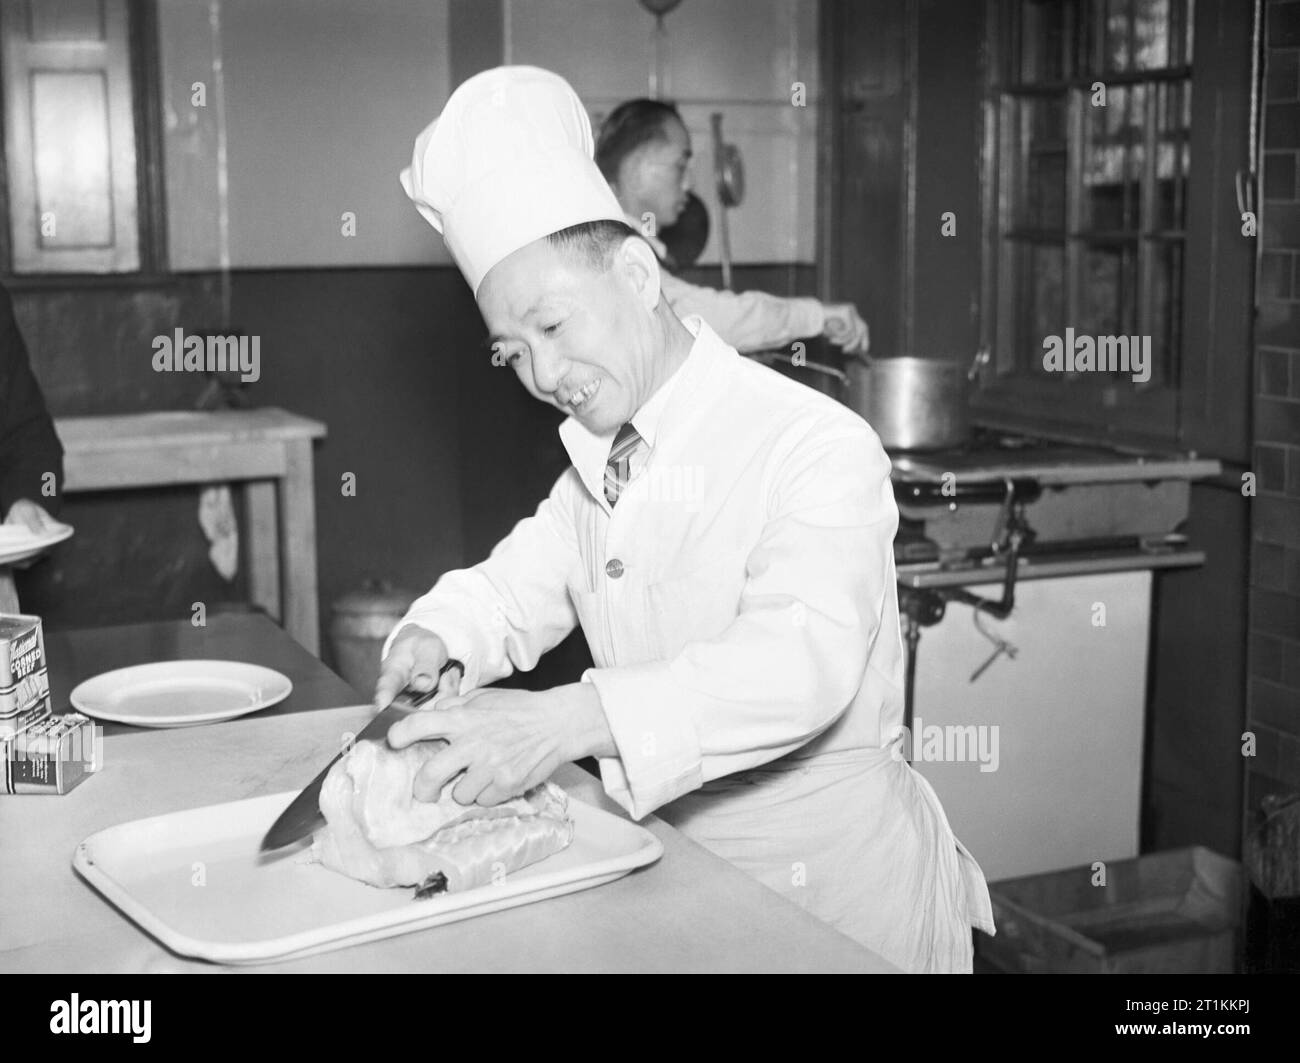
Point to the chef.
(723, 537)
(644, 151)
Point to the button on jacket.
(740, 603)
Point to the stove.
(994, 455)
(1006, 508)
(1071, 502)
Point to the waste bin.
(361, 621)
(1273, 864)
(1170, 912)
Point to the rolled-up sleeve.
(502, 614)
(795, 656)
(749, 321)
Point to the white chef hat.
(507, 162)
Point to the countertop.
(690, 911)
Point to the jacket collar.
(693, 387)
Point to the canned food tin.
(24, 678)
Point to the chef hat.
(507, 162)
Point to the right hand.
(845, 328)
(414, 659)
(28, 514)
(32, 516)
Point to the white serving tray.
(197, 882)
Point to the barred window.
(1093, 103)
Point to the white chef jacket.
(749, 321)
(741, 607)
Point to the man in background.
(644, 151)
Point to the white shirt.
(740, 603)
(749, 321)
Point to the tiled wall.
(1273, 710)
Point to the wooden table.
(691, 911)
(268, 451)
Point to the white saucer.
(180, 693)
(18, 544)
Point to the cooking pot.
(912, 403)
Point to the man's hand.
(414, 659)
(33, 517)
(505, 741)
(846, 329)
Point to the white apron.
(859, 840)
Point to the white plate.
(270, 908)
(18, 544)
(180, 693)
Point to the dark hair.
(630, 125)
(592, 241)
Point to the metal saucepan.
(912, 403)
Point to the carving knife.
(303, 816)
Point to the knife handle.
(417, 698)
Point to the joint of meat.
(378, 832)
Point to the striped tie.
(619, 463)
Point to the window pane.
(74, 185)
(1040, 276)
(1045, 194)
(1040, 198)
(1109, 285)
(1150, 34)
(1130, 35)
(1042, 41)
(1173, 154)
(1112, 163)
(1121, 175)
(1180, 32)
(1166, 308)
(1115, 49)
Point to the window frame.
(144, 66)
(1111, 407)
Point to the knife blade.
(303, 816)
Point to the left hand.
(504, 741)
(27, 513)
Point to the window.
(1091, 108)
(76, 167)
